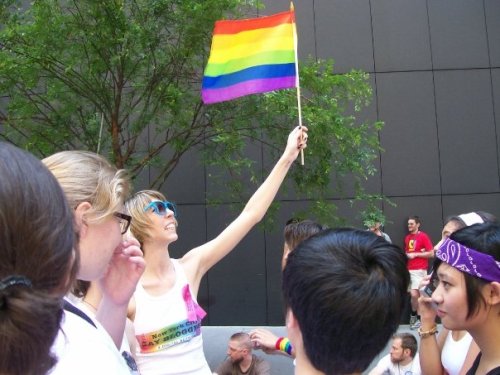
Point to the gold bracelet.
(428, 333)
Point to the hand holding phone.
(428, 289)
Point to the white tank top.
(454, 353)
(168, 330)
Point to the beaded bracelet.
(284, 345)
(424, 334)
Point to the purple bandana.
(469, 260)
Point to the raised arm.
(265, 340)
(199, 260)
(117, 286)
(430, 346)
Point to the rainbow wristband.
(283, 344)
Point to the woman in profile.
(96, 191)
(451, 351)
(37, 262)
(467, 296)
(164, 309)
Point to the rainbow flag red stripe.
(250, 56)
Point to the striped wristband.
(284, 345)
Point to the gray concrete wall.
(435, 71)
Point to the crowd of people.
(87, 284)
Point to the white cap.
(471, 218)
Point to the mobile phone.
(431, 287)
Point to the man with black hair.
(344, 290)
(402, 359)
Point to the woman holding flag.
(164, 309)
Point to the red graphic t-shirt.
(418, 242)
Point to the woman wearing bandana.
(164, 309)
(451, 351)
(467, 296)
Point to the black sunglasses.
(124, 220)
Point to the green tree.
(123, 78)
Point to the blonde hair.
(140, 224)
(88, 177)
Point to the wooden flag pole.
(297, 80)
(100, 134)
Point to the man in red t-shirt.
(419, 249)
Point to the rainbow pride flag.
(250, 56)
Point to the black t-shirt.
(475, 365)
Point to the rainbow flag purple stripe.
(249, 57)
